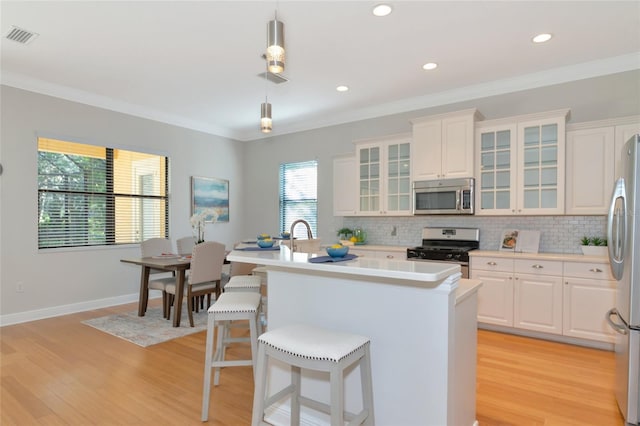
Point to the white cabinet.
(538, 295)
(520, 165)
(589, 172)
(345, 186)
(384, 167)
(589, 292)
(495, 297)
(443, 145)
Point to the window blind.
(91, 195)
(299, 196)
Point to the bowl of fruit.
(337, 250)
(263, 237)
(285, 235)
(265, 243)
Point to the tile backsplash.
(558, 234)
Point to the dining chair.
(205, 275)
(157, 247)
(185, 244)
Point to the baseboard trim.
(56, 311)
(546, 336)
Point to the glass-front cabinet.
(520, 165)
(384, 176)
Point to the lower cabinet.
(589, 292)
(556, 297)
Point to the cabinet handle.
(595, 270)
(390, 256)
(566, 283)
(536, 266)
(492, 263)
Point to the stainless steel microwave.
(446, 196)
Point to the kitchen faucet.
(293, 225)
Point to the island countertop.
(418, 271)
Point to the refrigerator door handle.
(616, 229)
(618, 327)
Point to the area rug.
(150, 329)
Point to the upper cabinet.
(384, 167)
(520, 165)
(594, 152)
(345, 185)
(443, 145)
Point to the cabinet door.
(623, 134)
(589, 174)
(427, 150)
(495, 297)
(585, 304)
(495, 171)
(538, 303)
(541, 150)
(457, 147)
(369, 165)
(345, 186)
(398, 178)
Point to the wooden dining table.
(177, 264)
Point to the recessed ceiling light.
(430, 66)
(541, 38)
(382, 10)
(342, 88)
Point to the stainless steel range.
(447, 245)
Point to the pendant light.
(265, 117)
(275, 45)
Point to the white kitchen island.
(420, 316)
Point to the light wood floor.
(61, 372)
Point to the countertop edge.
(466, 288)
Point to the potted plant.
(345, 234)
(593, 246)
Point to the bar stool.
(244, 283)
(230, 306)
(314, 348)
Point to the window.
(299, 196)
(92, 196)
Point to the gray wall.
(61, 281)
(66, 280)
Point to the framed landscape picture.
(210, 193)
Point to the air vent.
(274, 78)
(21, 36)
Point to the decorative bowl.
(285, 235)
(263, 237)
(267, 242)
(337, 250)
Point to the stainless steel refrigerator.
(623, 234)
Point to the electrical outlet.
(19, 287)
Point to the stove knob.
(457, 256)
(423, 255)
(449, 255)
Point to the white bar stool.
(244, 283)
(314, 348)
(231, 306)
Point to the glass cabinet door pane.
(364, 188)
(486, 200)
(404, 202)
(549, 134)
(392, 203)
(531, 178)
(392, 186)
(405, 168)
(487, 141)
(392, 152)
(364, 171)
(531, 157)
(531, 199)
(405, 151)
(532, 136)
(374, 154)
(549, 177)
(548, 198)
(487, 180)
(374, 171)
(404, 185)
(503, 199)
(487, 160)
(503, 139)
(503, 179)
(549, 155)
(393, 169)
(503, 159)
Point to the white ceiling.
(195, 64)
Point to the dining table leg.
(144, 291)
(178, 302)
